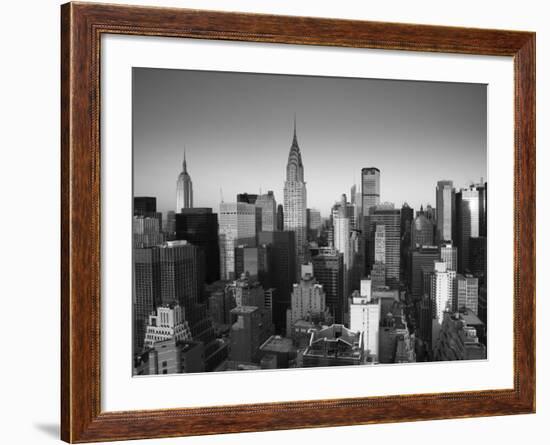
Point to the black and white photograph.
(290, 221)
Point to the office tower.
(357, 260)
(431, 214)
(146, 290)
(168, 322)
(389, 217)
(295, 201)
(170, 225)
(449, 255)
(268, 207)
(341, 227)
(174, 357)
(380, 244)
(407, 218)
(334, 346)
(357, 206)
(370, 188)
(253, 262)
(280, 218)
(422, 233)
(307, 302)
(248, 333)
(466, 293)
(220, 303)
(482, 191)
(478, 258)
(199, 226)
(145, 205)
(237, 226)
(328, 270)
(281, 348)
(445, 209)
(281, 253)
(443, 284)
(467, 223)
(251, 198)
(184, 189)
(458, 338)
(181, 275)
(146, 232)
(313, 224)
(365, 318)
(422, 257)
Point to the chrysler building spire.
(295, 201)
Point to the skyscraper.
(467, 223)
(442, 292)
(199, 226)
(184, 189)
(422, 233)
(449, 255)
(268, 206)
(280, 218)
(313, 224)
(445, 207)
(422, 257)
(328, 269)
(295, 201)
(181, 275)
(389, 217)
(281, 255)
(341, 224)
(146, 290)
(237, 226)
(370, 188)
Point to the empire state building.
(184, 189)
(295, 201)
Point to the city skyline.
(213, 136)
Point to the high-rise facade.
(442, 291)
(341, 225)
(237, 226)
(268, 207)
(370, 188)
(181, 275)
(281, 256)
(467, 293)
(295, 201)
(308, 301)
(280, 218)
(313, 224)
(449, 255)
(184, 189)
(445, 208)
(328, 269)
(422, 257)
(199, 226)
(467, 223)
(422, 233)
(389, 217)
(146, 290)
(365, 318)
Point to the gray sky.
(237, 130)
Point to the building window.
(164, 364)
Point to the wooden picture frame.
(82, 25)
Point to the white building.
(169, 322)
(467, 293)
(365, 318)
(236, 227)
(442, 289)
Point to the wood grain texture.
(81, 28)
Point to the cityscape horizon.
(264, 281)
